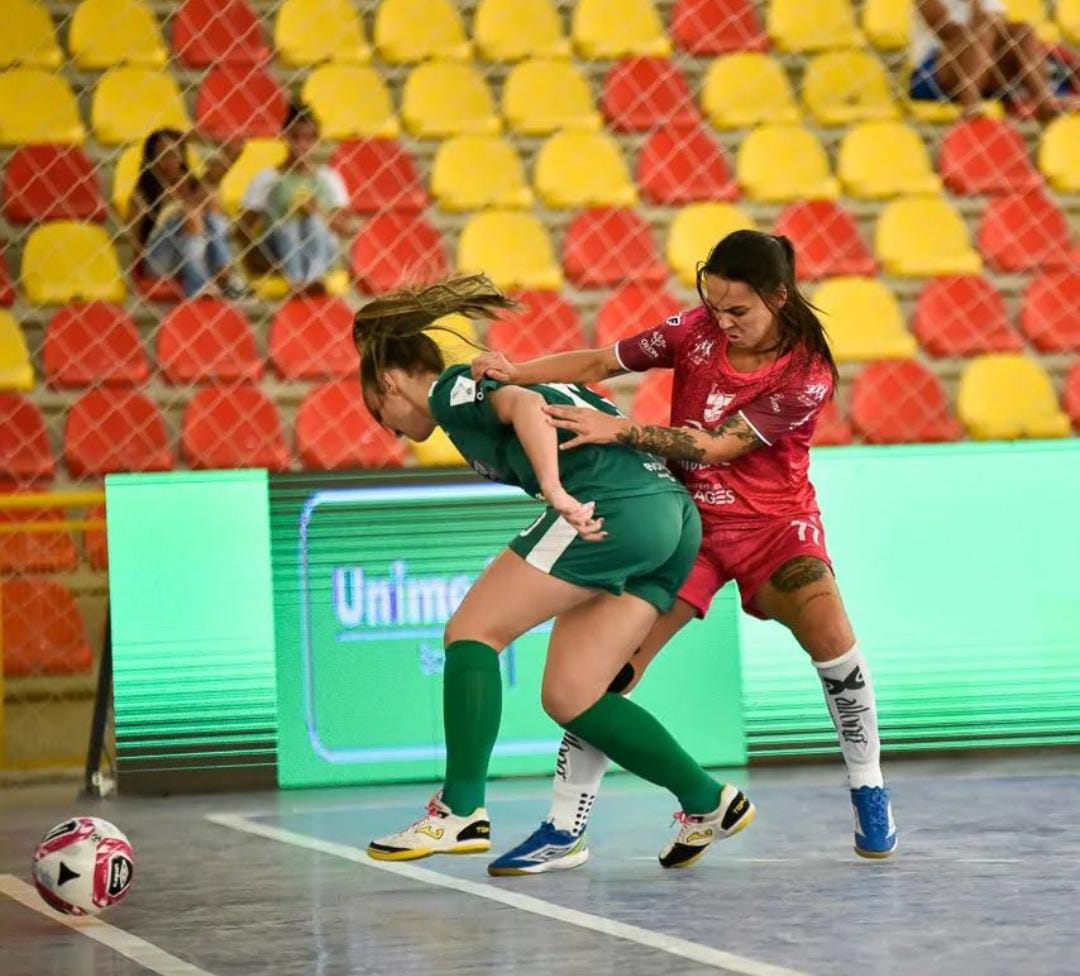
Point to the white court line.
(706, 955)
(137, 950)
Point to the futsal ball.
(83, 865)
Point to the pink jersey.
(781, 402)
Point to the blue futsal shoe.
(546, 849)
(875, 829)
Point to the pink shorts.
(749, 553)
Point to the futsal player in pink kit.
(752, 372)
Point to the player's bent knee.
(828, 640)
(563, 705)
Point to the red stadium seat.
(311, 338)
(963, 315)
(334, 430)
(25, 456)
(899, 401)
(986, 156)
(607, 245)
(826, 239)
(7, 292)
(111, 430)
(394, 249)
(1024, 232)
(718, 27)
(642, 93)
(161, 291)
(207, 340)
(209, 32)
(40, 551)
(832, 428)
(1072, 394)
(51, 183)
(683, 163)
(97, 550)
(1051, 315)
(93, 343)
(233, 427)
(239, 103)
(380, 175)
(44, 633)
(652, 398)
(630, 309)
(546, 323)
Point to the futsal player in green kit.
(607, 556)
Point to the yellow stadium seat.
(67, 261)
(933, 112)
(28, 38)
(583, 169)
(273, 287)
(618, 29)
(109, 32)
(1068, 18)
(129, 103)
(437, 451)
(885, 159)
(474, 172)
(784, 162)
(923, 237)
(820, 25)
(312, 31)
(1034, 12)
(36, 106)
(747, 89)
(257, 155)
(126, 173)
(509, 30)
(1059, 153)
(695, 231)
(350, 101)
(446, 98)
(407, 31)
(512, 247)
(887, 23)
(1006, 395)
(842, 87)
(461, 344)
(863, 320)
(16, 370)
(541, 97)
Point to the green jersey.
(461, 406)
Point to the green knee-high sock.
(472, 708)
(639, 743)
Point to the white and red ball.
(83, 865)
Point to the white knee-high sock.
(849, 693)
(578, 772)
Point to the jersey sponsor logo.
(674, 319)
(701, 352)
(814, 394)
(463, 391)
(776, 402)
(715, 405)
(653, 344)
(809, 531)
(714, 496)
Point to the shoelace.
(681, 816)
(432, 811)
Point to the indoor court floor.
(987, 881)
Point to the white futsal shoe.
(699, 830)
(439, 831)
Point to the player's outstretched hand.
(581, 517)
(495, 365)
(588, 426)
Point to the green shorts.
(651, 544)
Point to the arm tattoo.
(675, 443)
(799, 572)
(736, 426)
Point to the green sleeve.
(458, 403)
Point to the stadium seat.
(640, 94)
(91, 344)
(437, 451)
(682, 164)
(703, 27)
(416, 30)
(512, 247)
(380, 175)
(111, 430)
(272, 287)
(1004, 396)
(798, 27)
(1072, 394)
(348, 101)
(28, 38)
(456, 337)
(842, 87)
(46, 182)
(16, 370)
(25, 456)
(885, 159)
(541, 97)
(311, 338)
(94, 541)
(901, 402)
(652, 398)
(1024, 232)
(583, 169)
(37, 106)
(7, 292)
(826, 239)
(747, 89)
(334, 430)
(919, 237)
(832, 428)
(784, 162)
(695, 231)
(1068, 19)
(607, 246)
(887, 23)
(255, 156)
(445, 98)
(1034, 12)
(545, 322)
(394, 249)
(632, 308)
(1051, 314)
(863, 320)
(233, 427)
(44, 633)
(617, 29)
(126, 173)
(985, 156)
(471, 172)
(1059, 153)
(309, 32)
(33, 548)
(239, 103)
(206, 340)
(511, 30)
(130, 102)
(209, 32)
(937, 112)
(67, 261)
(104, 33)
(963, 315)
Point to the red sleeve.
(793, 406)
(654, 347)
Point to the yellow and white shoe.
(699, 830)
(440, 831)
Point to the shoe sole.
(415, 854)
(558, 864)
(747, 819)
(878, 855)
